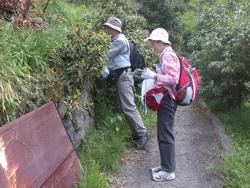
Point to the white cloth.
(146, 86)
(148, 74)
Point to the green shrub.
(166, 14)
(81, 58)
(134, 26)
(25, 75)
(220, 47)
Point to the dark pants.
(165, 133)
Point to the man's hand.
(148, 74)
(105, 72)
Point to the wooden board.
(35, 151)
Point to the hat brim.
(113, 27)
(157, 39)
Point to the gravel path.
(196, 155)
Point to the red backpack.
(187, 87)
(185, 91)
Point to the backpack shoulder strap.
(181, 65)
(173, 89)
(166, 50)
(127, 44)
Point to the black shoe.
(141, 142)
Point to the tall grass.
(235, 167)
(25, 74)
(104, 142)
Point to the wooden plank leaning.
(36, 151)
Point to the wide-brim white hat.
(159, 34)
(114, 23)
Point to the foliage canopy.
(220, 46)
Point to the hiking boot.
(155, 169)
(141, 142)
(163, 176)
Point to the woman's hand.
(148, 74)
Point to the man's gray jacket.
(119, 53)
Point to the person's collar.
(115, 36)
(168, 48)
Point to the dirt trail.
(196, 154)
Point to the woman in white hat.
(167, 76)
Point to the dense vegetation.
(220, 49)
(52, 64)
(166, 14)
(37, 66)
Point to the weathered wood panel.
(35, 151)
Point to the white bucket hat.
(114, 23)
(159, 34)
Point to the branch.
(46, 6)
(26, 8)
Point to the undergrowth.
(24, 71)
(106, 140)
(235, 167)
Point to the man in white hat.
(118, 71)
(166, 76)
